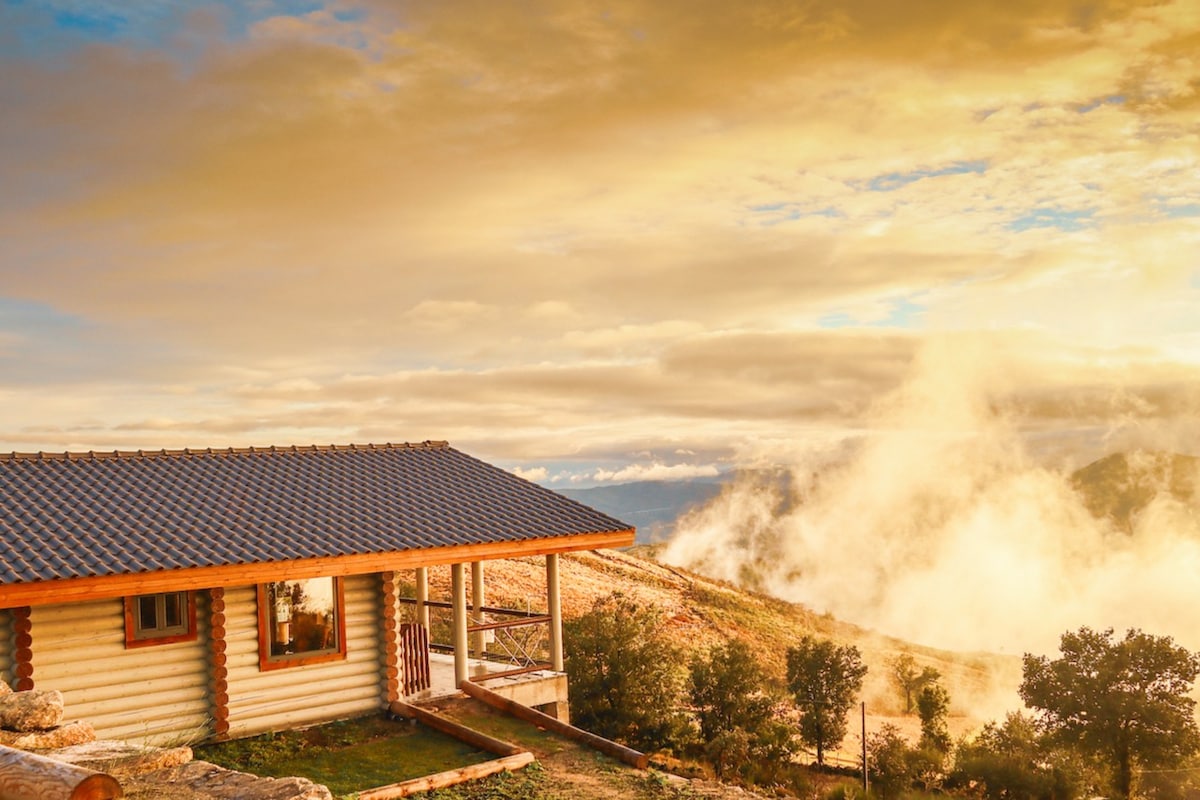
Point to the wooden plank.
(476, 739)
(25, 776)
(414, 658)
(542, 666)
(512, 623)
(74, 589)
(610, 748)
(452, 777)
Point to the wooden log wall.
(218, 665)
(7, 659)
(284, 698)
(158, 694)
(390, 633)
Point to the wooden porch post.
(458, 604)
(554, 601)
(479, 645)
(423, 596)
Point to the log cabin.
(192, 595)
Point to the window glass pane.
(147, 612)
(303, 616)
(173, 610)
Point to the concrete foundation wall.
(547, 694)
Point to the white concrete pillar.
(458, 604)
(554, 601)
(479, 645)
(423, 596)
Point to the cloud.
(535, 474)
(939, 505)
(354, 222)
(655, 472)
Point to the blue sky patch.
(1108, 100)
(1181, 211)
(772, 214)
(896, 180)
(905, 312)
(1050, 217)
(47, 29)
(37, 319)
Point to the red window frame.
(137, 636)
(270, 661)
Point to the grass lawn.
(346, 756)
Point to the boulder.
(33, 710)
(73, 733)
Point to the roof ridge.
(93, 455)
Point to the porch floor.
(441, 676)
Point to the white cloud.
(535, 474)
(655, 472)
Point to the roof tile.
(90, 514)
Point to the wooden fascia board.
(71, 590)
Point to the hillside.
(1119, 486)
(651, 506)
(702, 612)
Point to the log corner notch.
(27, 776)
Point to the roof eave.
(68, 590)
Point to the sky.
(598, 241)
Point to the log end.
(98, 787)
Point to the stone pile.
(33, 720)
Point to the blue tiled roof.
(72, 515)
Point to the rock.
(123, 760)
(73, 733)
(33, 710)
(210, 781)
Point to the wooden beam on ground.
(441, 780)
(26, 776)
(459, 731)
(531, 715)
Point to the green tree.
(909, 680)
(1124, 701)
(824, 679)
(933, 706)
(735, 707)
(1014, 761)
(625, 677)
(728, 690)
(889, 762)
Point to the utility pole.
(864, 746)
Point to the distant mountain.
(1120, 486)
(653, 506)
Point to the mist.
(937, 525)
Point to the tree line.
(1110, 716)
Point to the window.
(300, 622)
(160, 618)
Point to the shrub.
(1013, 761)
(625, 676)
(889, 762)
